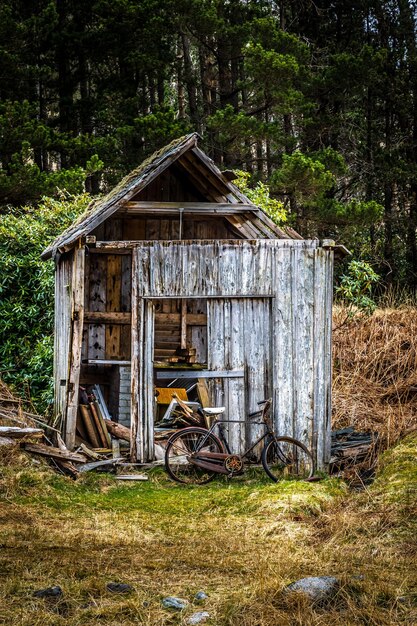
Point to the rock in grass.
(198, 618)
(119, 587)
(317, 588)
(49, 592)
(171, 602)
(200, 596)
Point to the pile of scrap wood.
(27, 430)
(351, 448)
(181, 414)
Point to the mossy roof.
(101, 208)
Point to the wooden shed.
(176, 257)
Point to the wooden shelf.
(104, 362)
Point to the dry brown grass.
(375, 373)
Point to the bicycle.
(196, 455)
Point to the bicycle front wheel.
(285, 458)
(179, 449)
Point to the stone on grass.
(317, 588)
(171, 602)
(198, 618)
(49, 592)
(200, 596)
(119, 587)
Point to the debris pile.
(349, 446)
(99, 448)
(354, 455)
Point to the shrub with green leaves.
(260, 195)
(355, 289)
(27, 294)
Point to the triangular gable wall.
(206, 180)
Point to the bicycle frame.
(223, 439)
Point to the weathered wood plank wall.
(77, 321)
(294, 328)
(62, 330)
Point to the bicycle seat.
(214, 410)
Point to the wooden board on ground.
(55, 453)
(130, 477)
(18, 433)
(118, 430)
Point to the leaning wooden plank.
(118, 430)
(81, 430)
(76, 345)
(18, 433)
(90, 453)
(100, 399)
(89, 425)
(203, 393)
(55, 453)
(102, 433)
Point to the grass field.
(241, 542)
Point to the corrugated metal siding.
(269, 314)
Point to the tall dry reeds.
(375, 373)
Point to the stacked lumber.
(184, 355)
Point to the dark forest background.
(314, 101)
(317, 99)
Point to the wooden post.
(78, 282)
(135, 453)
(183, 323)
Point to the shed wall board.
(77, 319)
(209, 269)
(62, 330)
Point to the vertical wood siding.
(239, 339)
(269, 313)
(62, 331)
(77, 315)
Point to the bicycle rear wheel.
(179, 449)
(285, 458)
